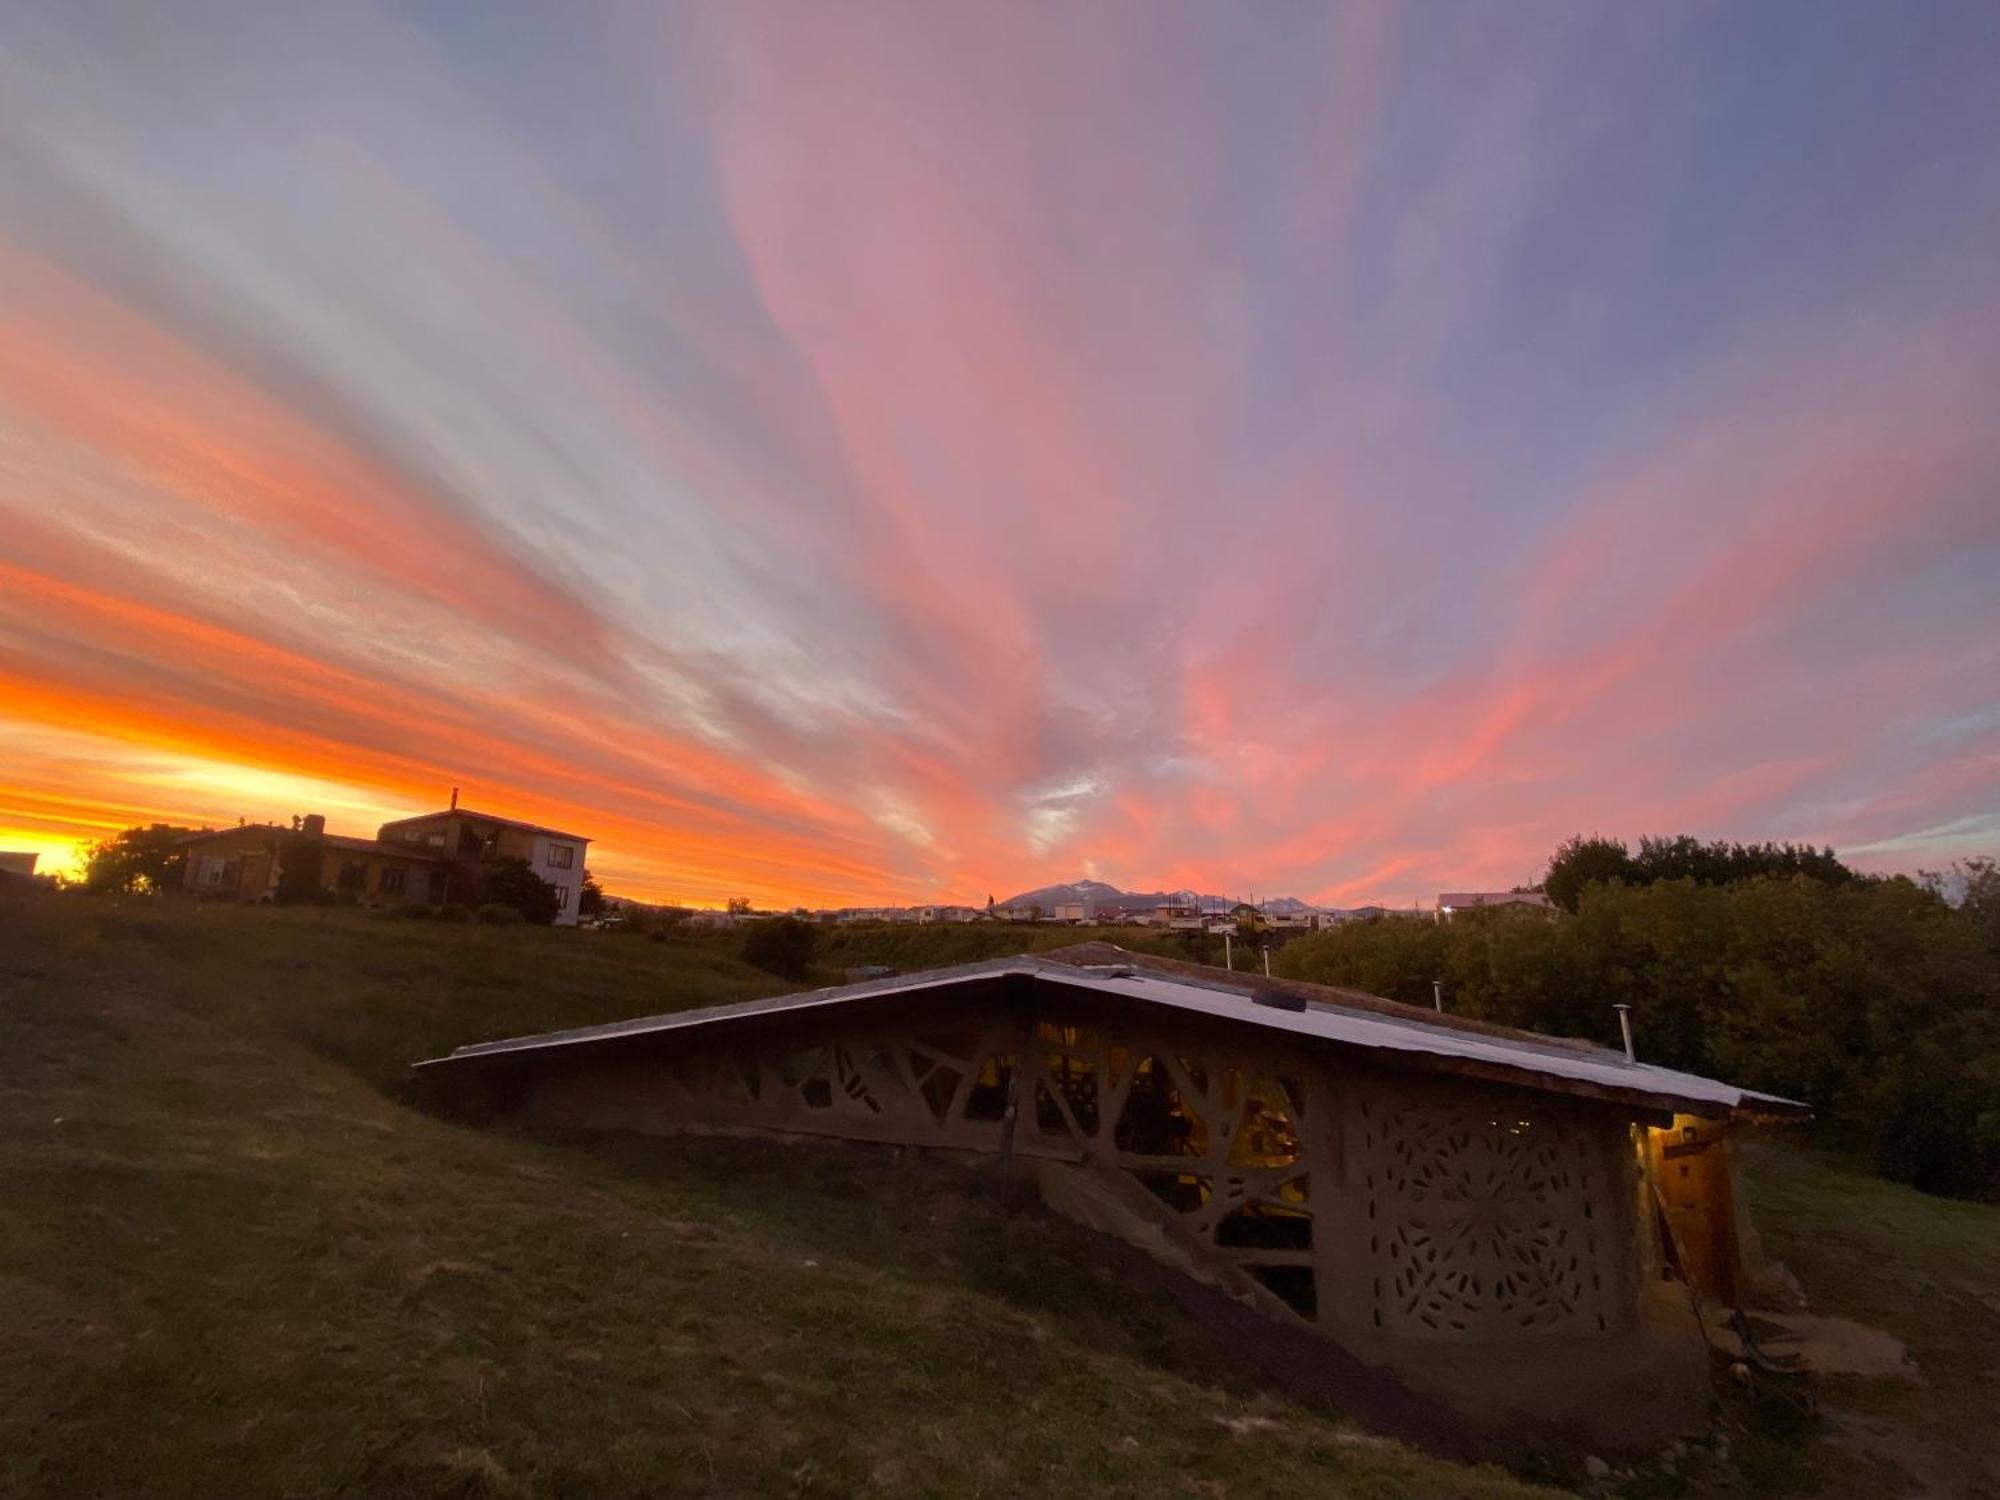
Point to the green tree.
(1719, 863)
(1579, 861)
(590, 897)
(139, 859)
(514, 883)
(1877, 1002)
(1974, 886)
(781, 945)
(1393, 956)
(300, 857)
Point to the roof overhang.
(1518, 1059)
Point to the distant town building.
(1450, 903)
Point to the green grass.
(1925, 1269)
(235, 1260)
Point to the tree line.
(1875, 1000)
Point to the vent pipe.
(454, 799)
(1625, 1026)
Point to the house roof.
(466, 812)
(1330, 1016)
(325, 840)
(377, 846)
(216, 833)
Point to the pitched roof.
(215, 833)
(325, 840)
(480, 817)
(1342, 1018)
(377, 846)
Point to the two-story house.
(460, 836)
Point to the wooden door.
(1689, 1167)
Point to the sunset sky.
(875, 452)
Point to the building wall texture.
(1415, 1219)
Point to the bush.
(513, 883)
(451, 911)
(493, 914)
(782, 946)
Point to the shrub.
(493, 914)
(782, 946)
(513, 883)
(453, 912)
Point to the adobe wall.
(1480, 1241)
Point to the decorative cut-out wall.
(1374, 1205)
(1484, 1217)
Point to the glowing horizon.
(908, 454)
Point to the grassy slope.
(1925, 1269)
(231, 1261)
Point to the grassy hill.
(235, 1260)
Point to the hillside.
(233, 1260)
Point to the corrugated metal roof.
(1520, 1058)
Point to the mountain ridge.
(1106, 897)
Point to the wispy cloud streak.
(867, 455)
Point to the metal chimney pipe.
(454, 799)
(1625, 1025)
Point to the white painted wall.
(569, 882)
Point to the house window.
(562, 898)
(562, 856)
(393, 880)
(469, 841)
(354, 876)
